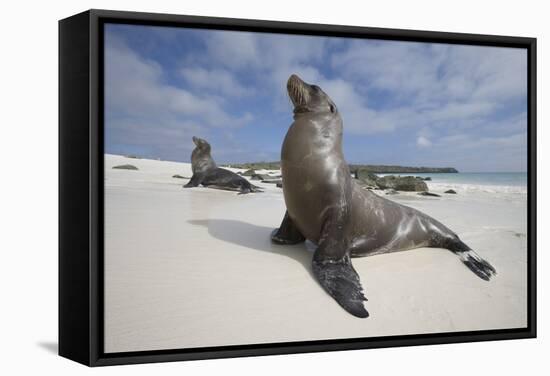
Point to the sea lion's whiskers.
(301, 94)
(298, 93)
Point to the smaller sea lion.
(207, 173)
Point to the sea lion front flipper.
(287, 233)
(341, 281)
(195, 181)
(333, 269)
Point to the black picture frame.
(81, 187)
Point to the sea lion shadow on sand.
(254, 237)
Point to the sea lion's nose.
(294, 79)
(294, 76)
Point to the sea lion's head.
(201, 144)
(200, 157)
(308, 98)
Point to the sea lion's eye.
(332, 108)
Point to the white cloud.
(468, 141)
(134, 86)
(144, 111)
(459, 111)
(434, 85)
(495, 73)
(358, 117)
(423, 142)
(450, 99)
(261, 52)
(471, 152)
(404, 68)
(425, 72)
(429, 85)
(233, 49)
(271, 59)
(217, 80)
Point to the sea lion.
(207, 173)
(325, 206)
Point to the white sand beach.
(195, 267)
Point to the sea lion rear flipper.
(476, 264)
(333, 269)
(472, 260)
(250, 188)
(287, 233)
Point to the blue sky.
(406, 103)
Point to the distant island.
(377, 169)
(382, 169)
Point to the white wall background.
(28, 188)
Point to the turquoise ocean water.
(508, 182)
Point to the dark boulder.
(451, 191)
(401, 183)
(126, 167)
(260, 177)
(365, 177)
(429, 194)
(273, 181)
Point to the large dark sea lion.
(325, 206)
(207, 173)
